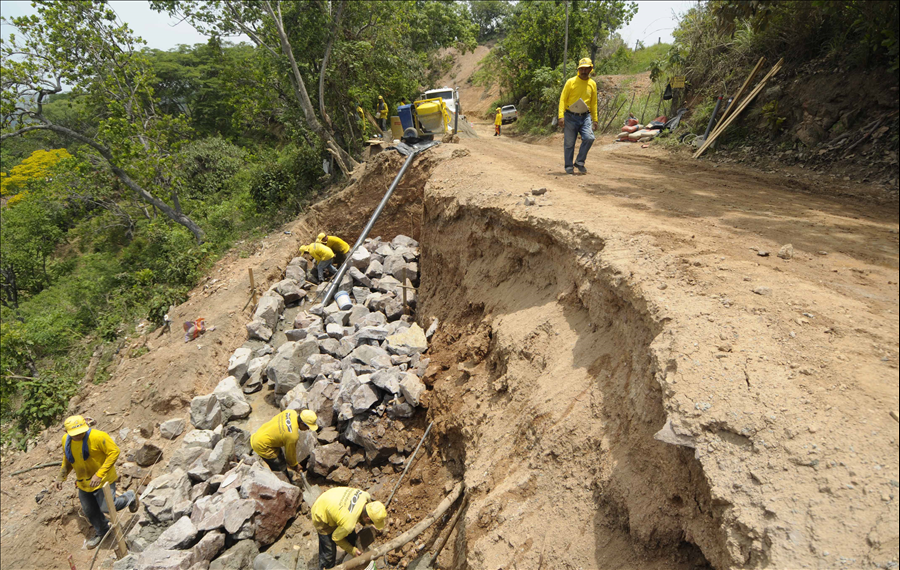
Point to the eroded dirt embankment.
(554, 405)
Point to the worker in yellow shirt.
(323, 257)
(381, 111)
(339, 247)
(498, 120)
(334, 516)
(578, 116)
(92, 454)
(276, 440)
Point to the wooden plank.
(737, 95)
(120, 548)
(724, 124)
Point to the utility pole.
(566, 48)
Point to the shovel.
(310, 492)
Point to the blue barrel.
(405, 114)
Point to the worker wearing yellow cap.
(381, 111)
(92, 454)
(323, 257)
(498, 120)
(334, 516)
(339, 247)
(578, 116)
(276, 440)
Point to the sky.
(654, 20)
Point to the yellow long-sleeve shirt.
(575, 89)
(320, 252)
(337, 244)
(498, 119)
(382, 110)
(102, 455)
(337, 511)
(281, 431)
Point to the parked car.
(508, 114)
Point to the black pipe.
(712, 119)
(336, 282)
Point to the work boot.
(94, 542)
(581, 169)
(570, 171)
(133, 502)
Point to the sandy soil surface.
(574, 330)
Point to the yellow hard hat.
(380, 97)
(585, 62)
(304, 249)
(377, 513)
(498, 108)
(75, 425)
(309, 418)
(322, 237)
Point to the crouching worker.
(93, 454)
(323, 257)
(276, 440)
(335, 514)
(339, 247)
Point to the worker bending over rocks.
(276, 440)
(93, 454)
(323, 257)
(334, 516)
(339, 247)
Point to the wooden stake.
(252, 287)
(405, 305)
(724, 124)
(120, 548)
(737, 95)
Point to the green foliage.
(773, 120)
(490, 16)
(44, 399)
(284, 180)
(208, 164)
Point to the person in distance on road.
(578, 116)
(93, 454)
(323, 257)
(498, 120)
(381, 111)
(276, 440)
(334, 516)
(339, 247)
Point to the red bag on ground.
(629, 129)
(631, 122)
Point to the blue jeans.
(576, 125)
(323, 266)
(94, 505)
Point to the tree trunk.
(342, 158)
(335, 30)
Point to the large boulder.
(365, 359)
(156, 559)
(296, 269)
(321, 400)
(220, 456)
(277, 502)
(239, 362)
(238, 557)
(319, 364)
(205, 438)
(395, 266)
(186, 456)
(343, 405)
(359, 277)
(257, 329)
(404, 241)
(363, 399)
(147, 454)
(206, 412)
(297, 398)
(360, 258)
(388, 380)
(209, 546)
(290, 291)
(181, 535)
(231, 399)
(411, 341)
(284, 368)
(164, 493)
(326, 458)
(170, 429)
(240, 438)
(375, 270)
(268, 309)
(412, 388)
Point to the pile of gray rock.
(359, 369)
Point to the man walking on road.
(578, 115)
(323, 257)
(334, 516)
(276, 440)
(498, 120)
(93, 454)
(339, 247)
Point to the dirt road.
(638, 297)
(620, 378)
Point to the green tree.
(82, 44)
(490, 16)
